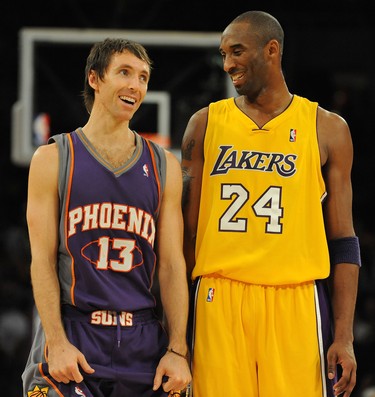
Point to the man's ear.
(273, 47)
(93, 79)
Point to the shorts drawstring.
(118, 330)
(111, 318)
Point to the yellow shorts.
(259, 341)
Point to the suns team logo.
(38, 392)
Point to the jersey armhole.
(64, 164)
(161, 162)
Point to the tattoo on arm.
(186, 179)
(186, 152)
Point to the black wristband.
(345, 250)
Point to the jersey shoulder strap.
(161, 162)
(65, 157)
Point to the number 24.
(268, 205)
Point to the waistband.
(110, 318)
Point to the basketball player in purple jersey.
(104, 215)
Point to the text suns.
(110, 318)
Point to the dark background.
(329, 58)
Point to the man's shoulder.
(59, 137)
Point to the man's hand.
(176, 369)
(65, 361)
(342, 354)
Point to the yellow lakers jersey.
(260, 216)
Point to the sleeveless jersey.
(260, 216)
(106, 257)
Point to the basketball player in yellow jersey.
(268, 228)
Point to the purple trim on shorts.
(326, 329)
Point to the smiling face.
(123, 87)
(244, 59)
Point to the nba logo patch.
(292, 135)
(79, 391)
(145, 170)
(210, 295)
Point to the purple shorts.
(123, 348)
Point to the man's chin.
(239, 89)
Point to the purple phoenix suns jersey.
(106, 257)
